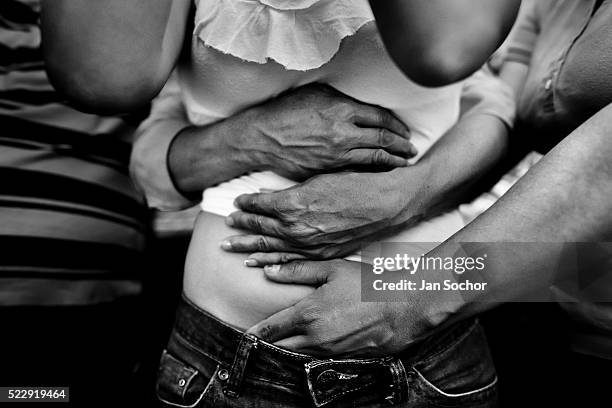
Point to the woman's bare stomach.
(218, 282)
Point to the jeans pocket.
(179, 384)
(460, 374)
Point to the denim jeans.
(210, 364)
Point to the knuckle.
(335, 139)
(262, 243)
(285, 258)
(378, 157)
(258, 222)
(347, 109)
(345, 158)
(382, 135)
(279, 205)
(338, 131)
(310, 313)
(266, 331)
(384, 117)
(297, 231)
(297, 269)
(295, 202)
(387, 138)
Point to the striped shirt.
(72, 227)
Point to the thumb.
(300, 272)
(279, 326)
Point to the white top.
(245, 52)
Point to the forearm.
(200, 157)
(564, 198)
(452, 169)
(125, 51)
(437, 42)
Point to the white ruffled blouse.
(299, 34)
(310, 40)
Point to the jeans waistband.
(242, 355)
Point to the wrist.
(437, 307)
(176, 155)
(200, 157)
(410, 188)
(233, 141)
(249, 143)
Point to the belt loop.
(399, 387)
(232, 387)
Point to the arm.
(307, 131)
(564, 198)
(437, 42)
(325, 218)
(173, 161)
(469, 157)
(125, 51)
(482, 97)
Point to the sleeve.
(524, 34)
(149, 160)
(485, 94)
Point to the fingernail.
(227, 245)
(413, 150)
(250, 262)
(229, 221)
(272, 268)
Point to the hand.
(316, 129)
(333, 321)
(326, 217)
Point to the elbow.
(100, 90)
(434, 69)
(435, 62)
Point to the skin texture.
(128, 48)
(330, 215)
(566, 196)
(219, 282)
(138, 51)
(125, 52)
(333, 321)
(311, 130)
(452, 38)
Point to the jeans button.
(223, 374)
(182, 382)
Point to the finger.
(371, 157)
(389, 141)
(297, 343)
(278, 326)
(258, 203)
(254, 243)
(255, 223)
(375, 117)
(305, 344)
(300, 272)
(271, 258)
